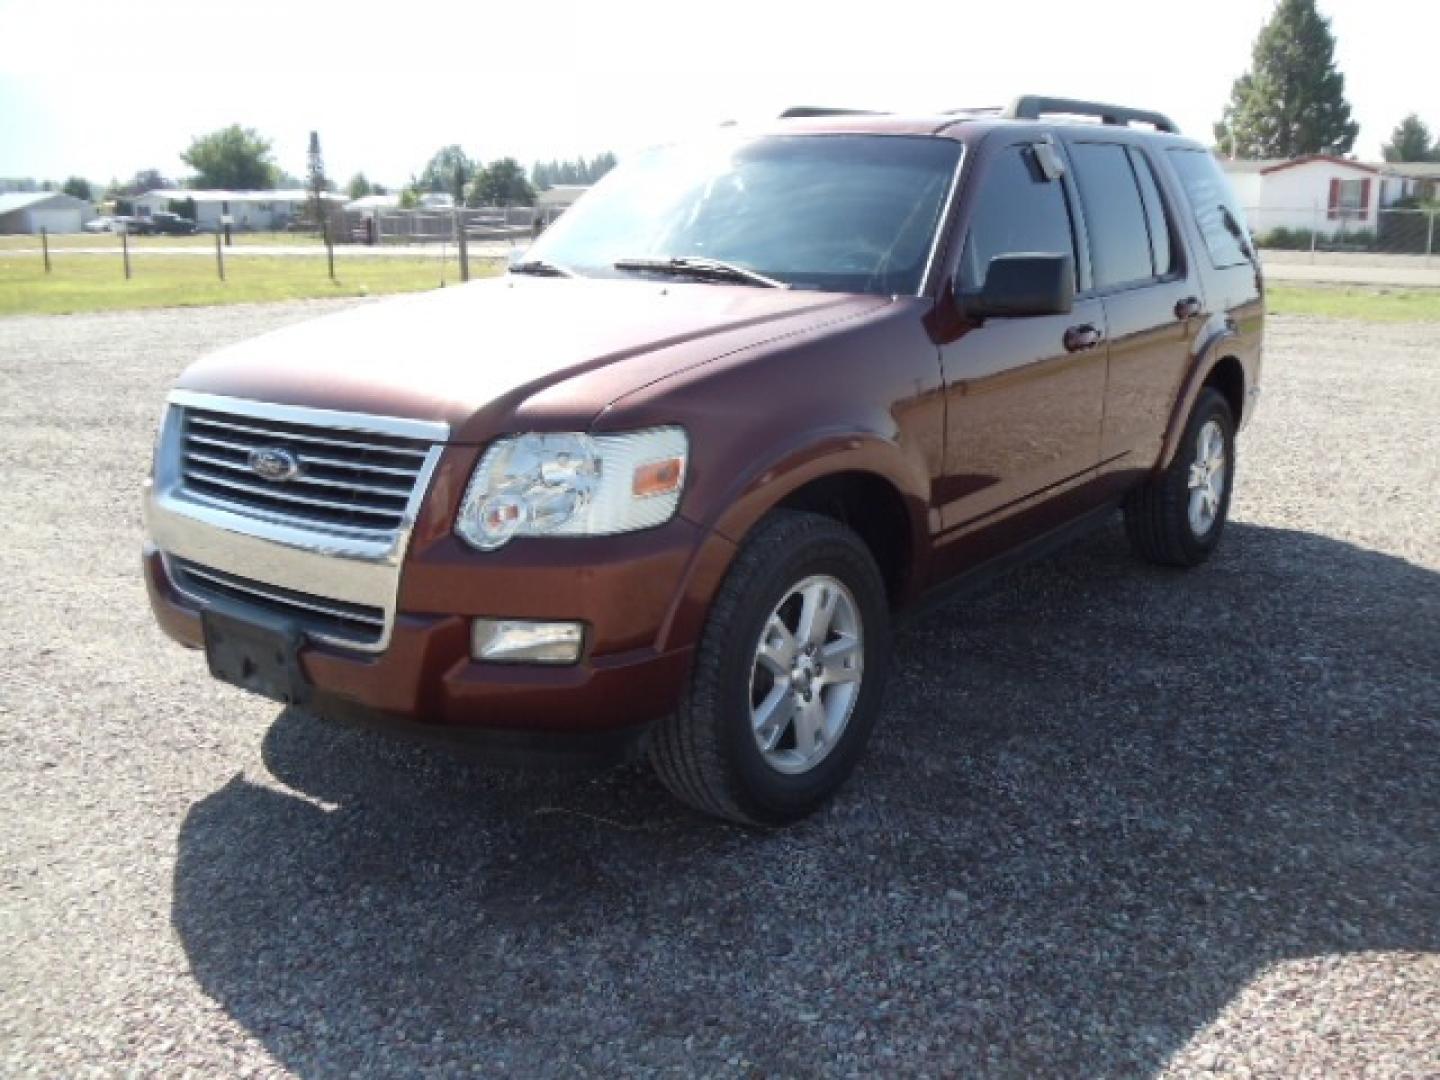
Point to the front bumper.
(642, 597)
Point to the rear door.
(1153, 300)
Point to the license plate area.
(256, 652)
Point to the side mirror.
(1021, 285)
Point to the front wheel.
(788, 677)
(1176, 517)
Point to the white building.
(370, 205)
(248, 210)
(1316, 192)
(53, 211)
(555, 200)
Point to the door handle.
(1187, 308)
(1082, 337)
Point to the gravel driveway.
(1116, 821)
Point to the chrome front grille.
(347, 480)
(321, 542)
(334, 621)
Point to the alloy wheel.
(1207, 478)
(806, 674)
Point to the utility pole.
(315, 180)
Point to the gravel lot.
(1116, 821)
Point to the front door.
(1024, 396)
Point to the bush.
(1283, 239)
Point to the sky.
(102, 90)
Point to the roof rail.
(798, 111)
(1033, 106)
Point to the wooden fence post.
(330, 248)
(125, 250)
(45, 247)
(463, 246)
(219, 255)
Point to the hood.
(471, 356)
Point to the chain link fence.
(1391, 231)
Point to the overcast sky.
(104, 89)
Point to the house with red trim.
(1316, 192)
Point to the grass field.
(92, 283)
(1366, 303)
(96, 283)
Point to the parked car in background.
(162, 222)
(101, 224)
(130, 226)
(667, 484)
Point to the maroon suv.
(666, 484)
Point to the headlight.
(573, 484)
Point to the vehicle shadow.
(1102, 799)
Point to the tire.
(708, 752)
(1160, 518)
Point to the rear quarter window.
(1209, 195)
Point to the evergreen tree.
(359, 186)
(1292, 101)
(1410, 141)
(79, 187)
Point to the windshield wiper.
(701, 268)
(541, 268)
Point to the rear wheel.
(788, 677)
(1176, 517)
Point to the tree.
(1292, 101)
(1410, 141)
(546, 174)
(316, 183)
(233, 157)
(146, 180)
(501, 183)
(359, 187)
(79, 187)
(451, 170)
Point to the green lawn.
(1367, 303)
(97, 283)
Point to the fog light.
(520, 641)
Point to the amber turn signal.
(658, 477)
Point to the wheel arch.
(1217, 365)
(863, 481)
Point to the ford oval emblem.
(273, 463)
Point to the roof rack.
(799, 111)
(1033, 106)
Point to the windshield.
(841, 213)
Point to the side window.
(1114, 215)
(1210, 195)
(1018, 211)
(1162, 247)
